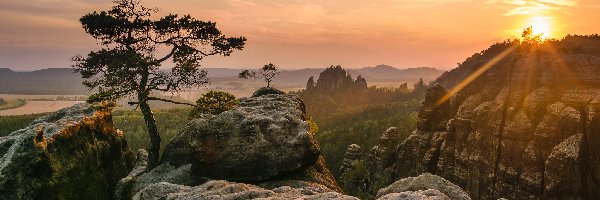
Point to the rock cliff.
(519, 121)
(74, 153)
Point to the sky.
(292, 34)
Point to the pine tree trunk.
(154, 149)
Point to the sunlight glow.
(474, 75)
(541, 26)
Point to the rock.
(352, 157)
(337, 79)
(265, 140)
(262, 137)
(266, 90)
(310, 84)
(229, 190)
(525, 128)
(424, 185)
(429, 194)
(74, 153)
(360, 84)
(383, 157)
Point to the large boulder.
(225, 190)
(74, 153)
(421, 187)
(262, 137)
(265, 140)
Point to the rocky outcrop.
(74, 153)
(265, 140)
(352, 157)
(336, 79)
(424, 186)
(525, 128)
(219, 189)
(310, 84)
(383, 156)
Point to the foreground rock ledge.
(74, 153)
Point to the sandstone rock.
(229, 190)
(429, 194)
(524, 129)
(265, 141)
(383, 156)
(74, 153)
(266, 90)
(352, 157)
(262, 137)
(424, 185)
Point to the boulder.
(263, 137)
(421, 187)
(264, 140)
(74, 153)
(429, 194)
(219, 189)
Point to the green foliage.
(213, 103)
(2, 101)
(128, 64)
(364, 127)
(356, 181)
(9, 124)
(169, 122)
(267, 72)
(348, 117)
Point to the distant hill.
(56, 81)
(63, 81)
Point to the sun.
(541, 26)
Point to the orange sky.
(307, 33)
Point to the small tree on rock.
(128, 64)
(213, 103)
(267, 72)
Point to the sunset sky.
(38, 34)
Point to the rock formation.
(265, 140)
(352, 157)
(336, 79)
(360, 84)
(383, 157)
(74, 153)
(310, 84)
(526, 128)
(219, 189)
(424, 186)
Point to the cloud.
(532, 7)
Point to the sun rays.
(541, 26)
(474, 75)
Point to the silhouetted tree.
(267, 72)
(213, 103)
(128, 64)
(530, 38)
